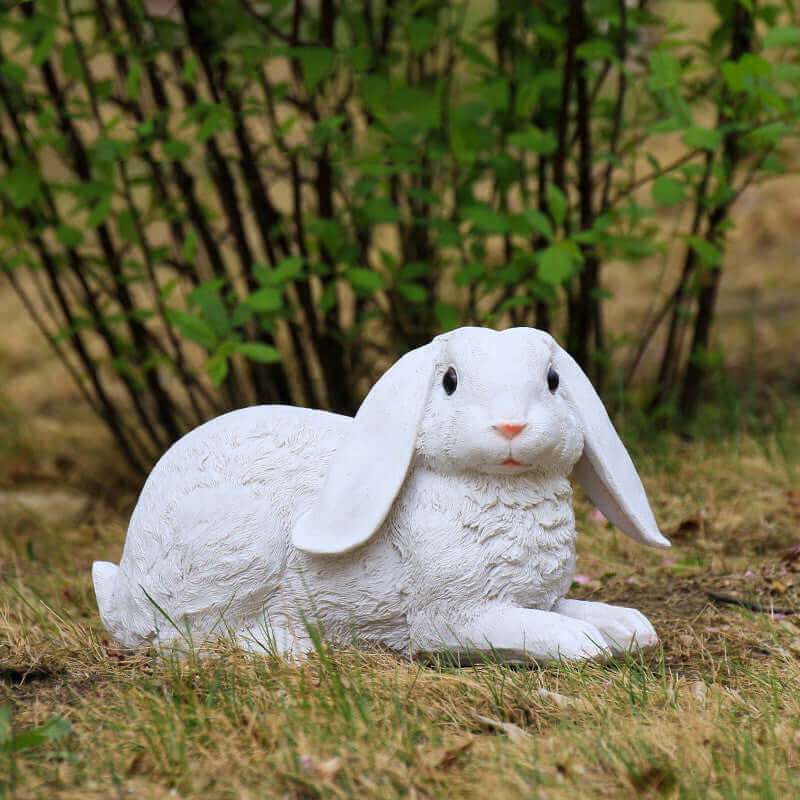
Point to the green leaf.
(668, 191)
(665, 71)
(206, 297)
(317, 64)
(734, 76)
(412, 271)
(125, 225)
(108, 151)
(420, 34)
(495, 93)
(287, 269)
(380, 210)
(447, 315)
(787, 72)
(5, 725)
(189, 69)
(192, 327)
(175, 149)
(363, 280)
(485, 218)
(538, 222)
(412, 292)
(329, 232)
(133, 80)
(535, 139)
(215, 121)
(556, 263)
(470, 273)
(99, 213)
(42, 51)
(68, 236)
(217, 368)
(190, 246)
(755, 65)
(69, 60)
(146, 127)
(597, 50)
(709, 253)
(704, 138)
(14, 72)
(267, 299)
(55, 728)
(21, 185)
(783, 36)
(262, 353)
(556, 204)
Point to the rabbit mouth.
(511, 462)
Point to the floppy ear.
(605, 469)
(368, 469)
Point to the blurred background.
(208, 205)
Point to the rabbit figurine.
(438, 518)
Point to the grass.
(715, 712)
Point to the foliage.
(244, 203)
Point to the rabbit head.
(479, 400)
(495, 406)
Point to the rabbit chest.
(509, 540)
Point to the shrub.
(240, 202)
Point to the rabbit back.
(209, 537)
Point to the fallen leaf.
(659, 778)
(447, 755)
(792, 556)
(563, 700)
(327, 770)
(699, 691)
(514, 732)
(324, 770)
(777, 587)
(135, 763)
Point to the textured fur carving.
(434, 519)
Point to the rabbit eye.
(552, 379)
(450, 381)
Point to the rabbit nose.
(508, 429)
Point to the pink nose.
(509, 429)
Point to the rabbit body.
(439, 517)
(209, 541)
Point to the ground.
(713, 712)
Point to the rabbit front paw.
(578, 640)
(624, 629)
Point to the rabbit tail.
(113, 599)
(104, 576)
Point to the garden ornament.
(438, 519)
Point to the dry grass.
(714, 713)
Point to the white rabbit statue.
(438, 519)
